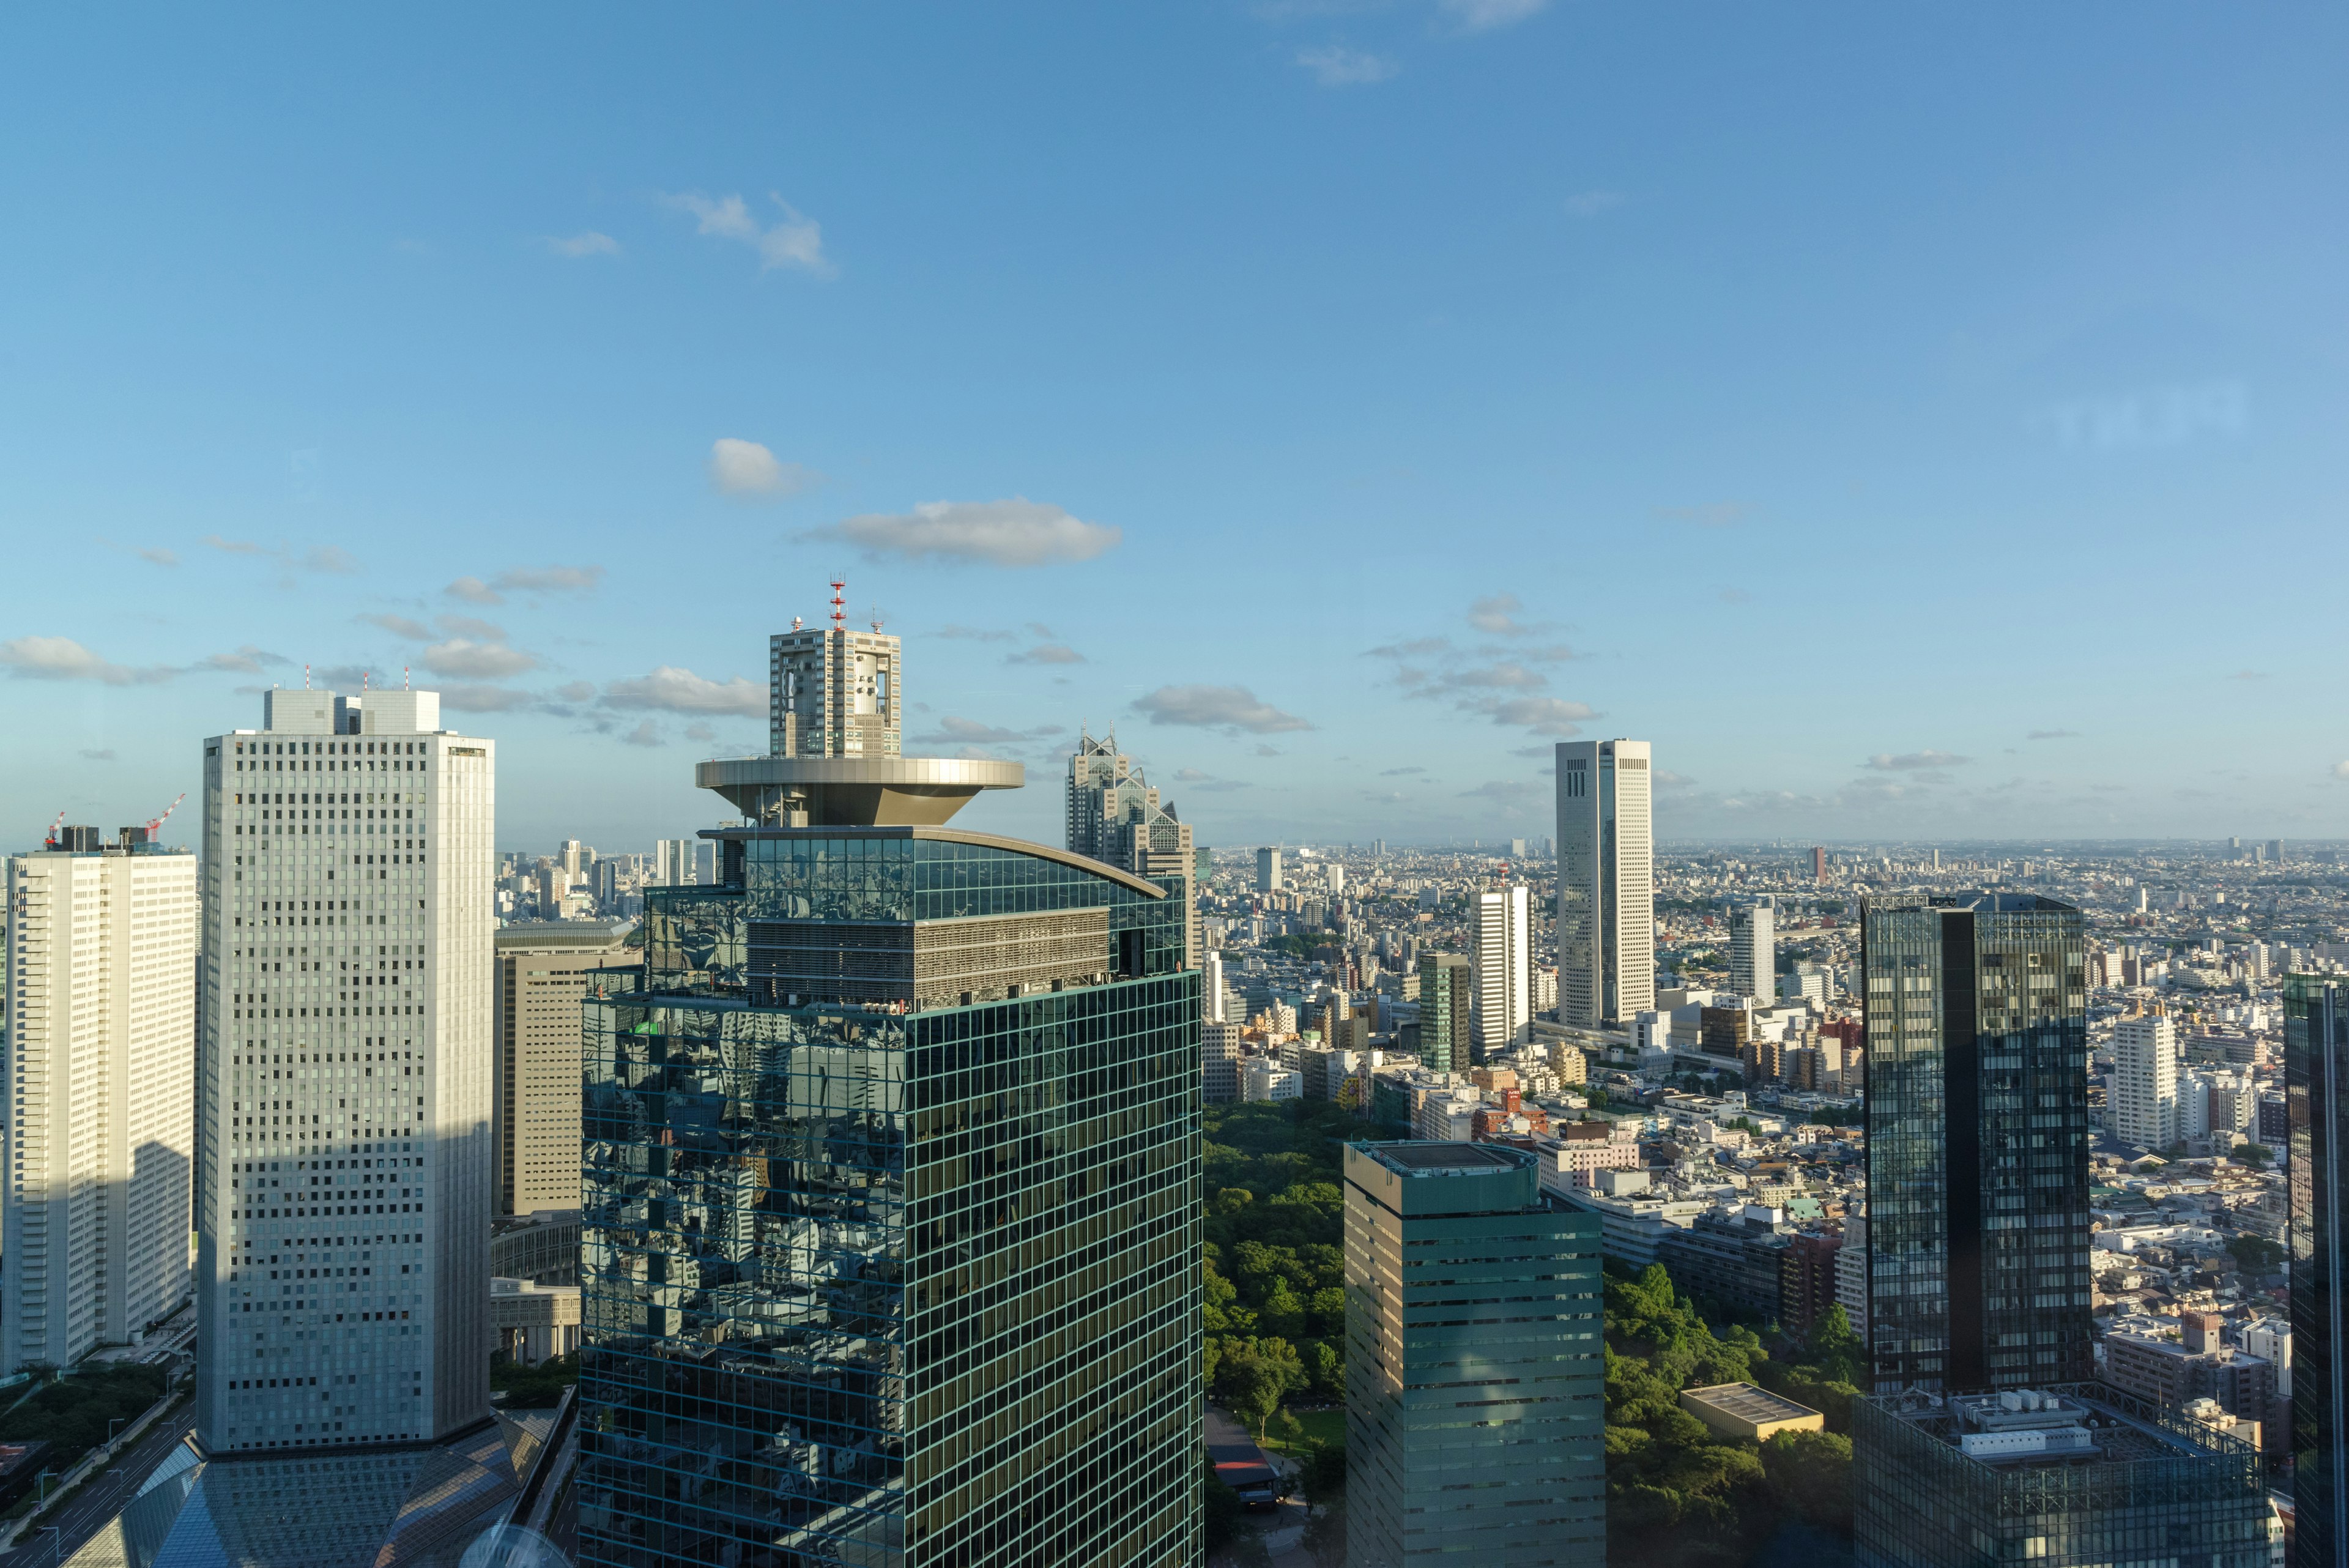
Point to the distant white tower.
(344, 1079)
(100, 1078)
(2145, 1082)
(1504, 959)
(1753, 950)
(1606, 882)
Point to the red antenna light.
(839, 600)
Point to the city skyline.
(1694, 362)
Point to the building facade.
(832, 691)
(1606, 882)
(543, 971)
(2144, 1110)
(1977, 1142)
(1446, 1012)
(2316, 1099)
(344, 1081)
(1503, 968)
(1268, 871)
(1753, 950)
(101, 1114)
(1474, 1367)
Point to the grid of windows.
(1977, 1142)
(2316, 1061)
(879, 1284)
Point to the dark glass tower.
(1977, 1143)
(2316, 1073)
(890, 1249)
(1446, 983)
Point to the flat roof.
(1748, 1403)
(1442, 1158)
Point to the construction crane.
(51, 841)
(156, 827)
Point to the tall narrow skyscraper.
(889, 1245)
(1268, 877)
(1977, 1142)
(100, 1112)
(343, 1083)
(1606, 882)
(2144, 1101)
(2316, 1107)
(1503, 968)
(1753, 950)
(1445, 1011)
(543, 971)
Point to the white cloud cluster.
(794, 241)
(745, 468)
(1504, 682)
(526, 580)
(1014, 533)
(1231, 709)
(671, 690)
(1334, 65)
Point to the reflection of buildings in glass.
(2316, 1061)
(888, 1227)
(1977, 1142)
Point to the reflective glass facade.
(1476, 1400)
(1977, 1142)
(888, 1280)
(2316, 1066)
(2154, 1487)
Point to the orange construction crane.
(156, 827)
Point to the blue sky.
(1346, 401)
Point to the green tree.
(1811, 1472)
(2255, 1254)
(1256, 1375)
(2257, 1155)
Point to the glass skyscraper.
(2316, 1069)
(1977, 1142)
(1475, 1425)
(890, 1248)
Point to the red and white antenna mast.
(876, 617)
(839, 603)
(305, 677)
(403, 678)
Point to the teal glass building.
(1475, 1398)
(1977, 1142)
(890, 1248)
(2316, 1105)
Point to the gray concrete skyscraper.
(1606, 882)
(342, 1084)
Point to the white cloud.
(746, 468)
(587, 243)
(796, 241)
(1334, 65)
(644, 734)
(247, 661)
(232, 546)
(1543, 715)
(466, 626)
(700, 732)
(473, 591)
(463, 658)
(1014, 533)
(1590, 203)
(1498, 614)
(2341, 770)
(330, 558)
(674, 691)
(972, 634)
(1228, 708)
(575, 690)
(1914, 762)
(1047, 653)
(1483, 15)
(958, 732)
(526, 580)
(161, 557)
(63, 659)
(400, 625)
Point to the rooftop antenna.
(876, 617)
(363, 681)
(795, 623)
(403, 678)
(306, 677)
(839, 599)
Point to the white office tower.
(1606, 882)
(1753, 950)
(673, 862)
(345, 1077)
(1503, 964)
(2144, 1110)
(102, 1112)
(1211, 990)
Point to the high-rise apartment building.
(543, 972)
(891, 1171)
(1268, 871)
(343, 1086)
(1753, 950)
(1474, 1396)
(99, 1067)
(1606, 882)
(1446, 1012)
(2316, 1102)
(2144, 1108)
(1503, 963)
(1977, 1142)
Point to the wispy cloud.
(1014, 533)
(1231, 709)
(1914, 762)
(2248, 675)
(1590, 203)
(646, 733)
(400, 625)
(1334, 65)
(2150, 417)
(1046, 653)
(233, 546)
(1401, 773)
(972, 634)
(160, 557)
(587, 243)
(1483, 15)
(795, 240)
(2053, 735)
(245, 660)
(330, 558)
(464, 659)
(526, 580)
(63, 659)
(672, 689)
(748, 469)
